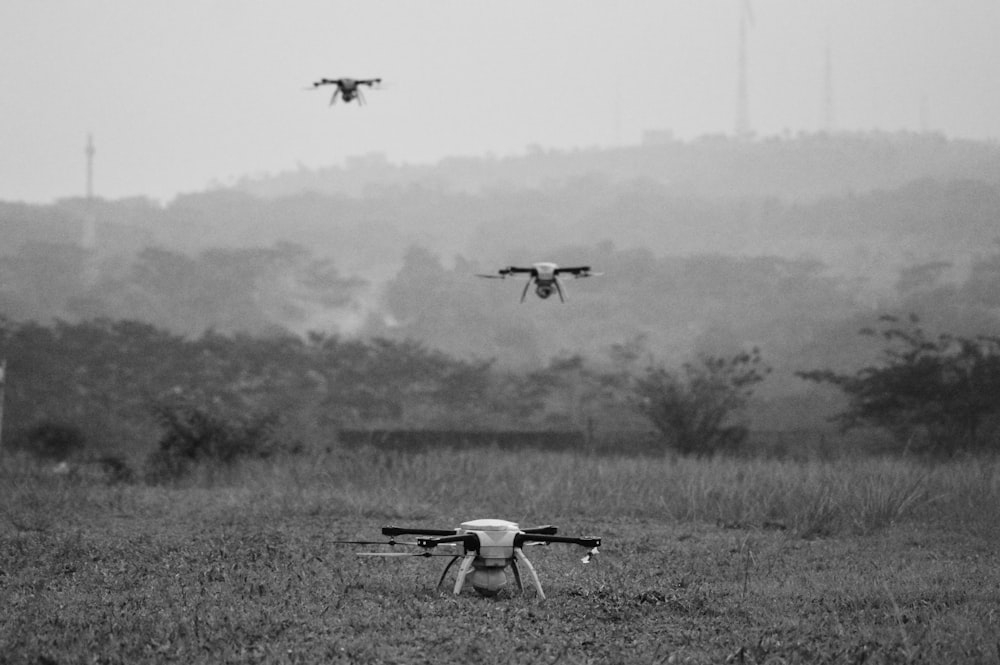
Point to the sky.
(185, 95)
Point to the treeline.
(132, 393)
(796, 311)
(801, 167)
(857, 202)
(788, 245)
(112, 381)
(253, 290)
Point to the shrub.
(694, 409)
(53, 440)
(942, 392)
(195, 434)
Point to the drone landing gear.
(524, 294)
(559, 290)
(467, 567)
(519, 557)
(444, 573)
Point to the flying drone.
(348, 89)
(545, 276)
(486, 547)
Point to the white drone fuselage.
(546, 282)
(485, 569)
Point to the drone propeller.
(590, 555)
(390, 542)
(548, 529)
(392, 531)
(403, 554)
(491, 276)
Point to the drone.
(348, 89)
(545, 276)
(486, 547)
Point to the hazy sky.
(181, 94)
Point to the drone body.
(545, 276)
(488, 548)
(346, 88)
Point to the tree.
(941, 392)
(694, 409)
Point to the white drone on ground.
(488, 548)
(545, 276)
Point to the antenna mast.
(742, 94)
(828, 123)
(89, 151)
(88, 239)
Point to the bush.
(694, 409)
(53, 440)
(940, 392)
(195, 434)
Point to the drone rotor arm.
(468, 540)
(524, 537)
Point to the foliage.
(230, 290)
(195, 434)
(52, 439)
(694, 409)
(941, 392)
(102, 375)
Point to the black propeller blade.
(405, 531)
(370, 542)
(547, 529)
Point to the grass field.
(704, 561)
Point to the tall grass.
(810, 498)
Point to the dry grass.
(704, 561)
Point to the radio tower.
(742, 94)
(89, 235)
(89, 151)
(828, 121)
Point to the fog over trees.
(788, 244)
